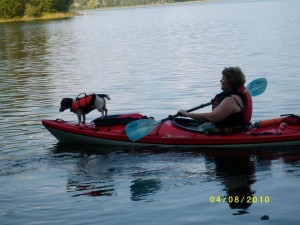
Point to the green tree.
(62, 5)
(91, 4)
(14, 8)
(11, 8)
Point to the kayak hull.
(64, 136)
(169, 135)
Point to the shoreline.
(61, 15)
(145, 5)
(45, 16)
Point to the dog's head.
(66, 103)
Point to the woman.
(232, 108)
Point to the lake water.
(152, 60)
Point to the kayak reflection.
(141, 189)
(237, 174)
(149, 174)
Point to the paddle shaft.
(255, 87)
(189, 110)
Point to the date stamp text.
(239, 199)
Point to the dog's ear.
(66, 103)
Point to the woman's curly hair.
(235, 77)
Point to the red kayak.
(179, 133)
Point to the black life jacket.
(240, 118)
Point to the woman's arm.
(225, 109)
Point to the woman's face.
(225, 86)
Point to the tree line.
(35, 8)
(93, 4)
(32, 8)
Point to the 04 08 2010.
(239, 199)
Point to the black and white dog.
(83, 105)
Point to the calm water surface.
(152, 60)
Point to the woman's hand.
(182, 112)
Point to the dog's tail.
(104, 96)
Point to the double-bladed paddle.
(138, 129)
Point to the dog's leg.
(101, 113)
(79, 119)
(105, 109)
(83, 116)
(100, 105)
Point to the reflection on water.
(167, 180)
(142, 189)
(237, 175)
(151, 172)
(90, 189)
